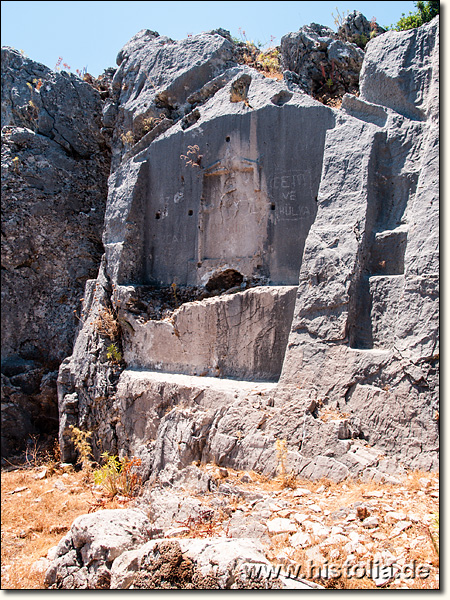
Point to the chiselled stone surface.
(165, 398)
(279, 190)
(258, 174)
(353, 340)
(54, 170)
(206, 337)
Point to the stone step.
(192, 381)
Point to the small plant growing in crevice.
(150, 123)
(281, 448)
(192, 157)
(32, 108)
(373, 28)
(107, 324)
(174, 290)
(119, 476)
(287, 479)
(113, 354)
(127, 138)
(339, 18)
(16, 164)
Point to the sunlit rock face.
(271, 265)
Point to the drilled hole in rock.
(272, 207)
(227, 139)
(224, 280)
(190, 213)
(158, 215)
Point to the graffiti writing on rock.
(292, 194)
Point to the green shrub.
(426, 11)
(113, 354)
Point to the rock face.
(54, 169)
(271, 189)
(362, 272)
(271, 263)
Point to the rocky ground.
(298, 526)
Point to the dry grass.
(35, 519)
(107, 324)
(29, 518)
(266, 62)
(328, 414)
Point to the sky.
(89, 35)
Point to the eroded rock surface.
(114, 549)
(55, 165)
(271, 263)
(321, 63)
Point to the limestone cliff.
(270, 263)
(55, 165)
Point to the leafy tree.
(426, 11)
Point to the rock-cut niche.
(381, 260)
(236, 216)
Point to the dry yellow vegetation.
(37, 512)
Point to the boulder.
(356, 29)
(92, 557)
(321, 63)
(83, 558)
(206, 563)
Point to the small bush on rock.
(114, 355)
(107, 324)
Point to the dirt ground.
(39, 504)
